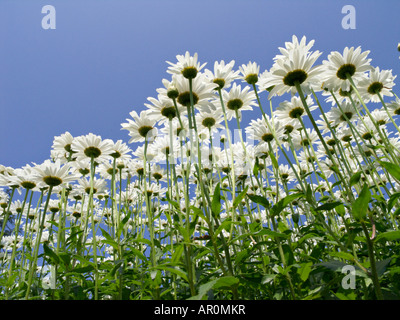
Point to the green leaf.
(268, 278)
(393, 198)
(176, 255)
(355, 178)
(388, 236)
(278, 208)
(360, 205)
(259, 200)
(223, 282)
(226, 282)
(349, 296)
(256, 167)
(141, 240)
(138, 253)
(122, 225)
(309, 195)
(381, 266)
(241, 255)
(304, 270)
(174, 203)
(273, 160)
(224, 225)
(328, 206)
(174, 270)
(84, 269)
(240, 197)
(340, 210)
(342, 255)
(216, 200)
(393, 169)
(51, 254)
(334, 265)
(271, 234)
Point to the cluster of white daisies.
(187, 143)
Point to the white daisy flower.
(237, 100)
(140, 126)
(249, 72)
(54, 173)
(62, 147)
(394, 107)
(163, 109)
(186, 65)
(352, 62)
(210, 119)
(223, 75)
(293, 67)
(99, 185)
(25, 177)
(379, 82)
(202, 91)
(92, 146)
(260, 130)
(346, 112)
(301, 139)
(291, 110)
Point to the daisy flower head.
(303, 139)
(179, 128)
(92, 146)
(340, 95)
(62, 146)
(158, 172)
(223, 75)
(262, 131)
(163, 109)
(294, 67)
(54, 174)
(379, 82)
(250, 72)
(25, 177)
(347, 112)
(169, 90)
(237, 100)
(210, 119)
(394, 107)
(187, 65)
(352, 63)
(367, 130)
(99, 185)
(289, 46)
(141, 155)
(3, 198)
(288, 111)
(380, 117)
(82, 166)
(120, 151)
(106, 170)
(140, 126)
(162, 148)
(202, 90)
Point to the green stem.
(374, 274)
(32, 267)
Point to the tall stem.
(32, 266)
(371, 254)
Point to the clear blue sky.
(105, 57)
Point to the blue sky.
(105, 57)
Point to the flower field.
(299, 203)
